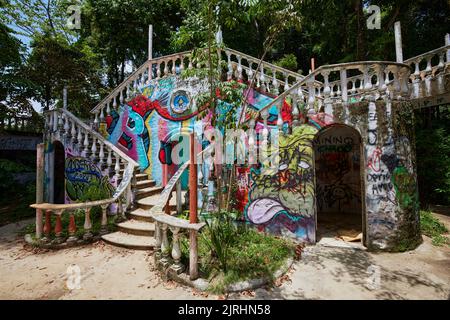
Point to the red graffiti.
(374, 161)
(142, 105)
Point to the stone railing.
(177, 226)
(169, 255)
(63, 126)
(24, 123)
(373, 80)
(425, 68)
(152, 69)
(269, 77)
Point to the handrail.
(423, 55)
(99, 136)
(136, 72)
(327, 68)
(124, 184)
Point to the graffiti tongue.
(263, 210)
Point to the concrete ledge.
(54, 245)
(202, 284)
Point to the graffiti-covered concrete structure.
(344, 136)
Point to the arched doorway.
(59, 173)
(339, 186)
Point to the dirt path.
(108, 272)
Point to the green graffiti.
(405, 187)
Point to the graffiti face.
(283, 202)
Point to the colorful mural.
(146, 124)
(81, 175)
(283, 202)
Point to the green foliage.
(250, 255)
(7, 170)
(433, 155)
(221, 235)
(433, 228)
(289, 61)
(95, 191)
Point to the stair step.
(141, 176)
(147, 192)
(149, 201)
(129, 241)
(140, 215)
(142, 184)
(137, 227)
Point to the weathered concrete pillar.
(398, 42)
(193, 253)
(39, 186)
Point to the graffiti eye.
(283, 166)
(303, 165)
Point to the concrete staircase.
(138, 231)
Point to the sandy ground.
(108, 272)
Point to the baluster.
(104, 223)
(182, 64)
(251, 142)
(158, 240)
(190, 66)
(295, 112)
(72, 228)
(263, 153)
(239, 68)
(109, 161)
(429, 68)
(311, 93)
(47, 226)
(262, 78)
(87, 224)
(327, 89)
(286, 82)
(158, 70)
(164, 246)
(441, 61)
(108, 109)
(94, 148)
(96, 120)
(114, 105)
(367, 80)
(121, 97)
(381, 81)
(280, 118)
(86, 144)
(58, 227)
(174, 68)
(250, 71)
(178, 267)
(79, 138)
(117, 168)
(66, 126)
(101, 155)
(275, 83)
(230, 67)
(166, 68)
(102, 115)
(150, 72)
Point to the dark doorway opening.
(59, 173)
(337, 151)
